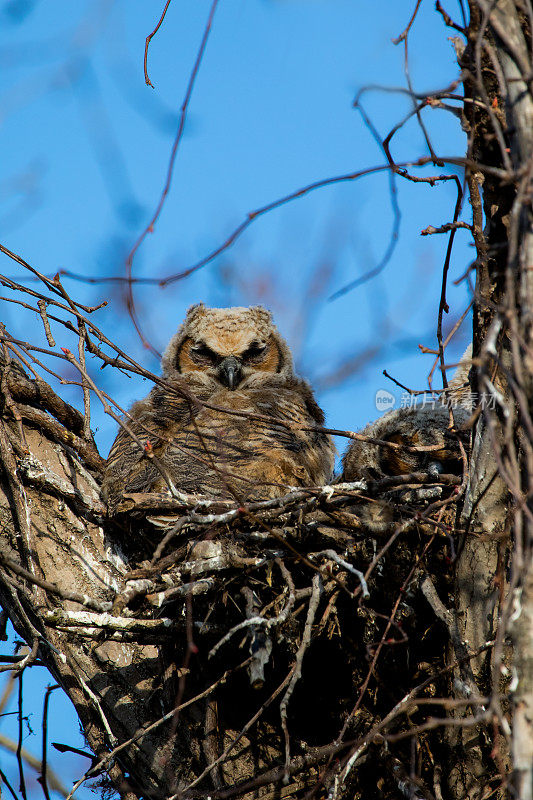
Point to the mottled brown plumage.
(234, 359)
(427, 427)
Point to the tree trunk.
(496, 524)
(52, 519)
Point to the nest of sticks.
(297, 647)
(311, 630)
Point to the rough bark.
(52, 519)
(499, 124)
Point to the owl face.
(228, 346)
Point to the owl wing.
(151, 423)
(307, 454)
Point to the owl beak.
(229, 372)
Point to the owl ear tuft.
(194, 312)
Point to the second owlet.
(253, 431)
(425, 429)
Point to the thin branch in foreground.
(54, 781)
(97, 768)
(297, 672)
(20, 720)
(43, 780)
(65, 594)
(395, 232)
(147, 44)
(181, 127)
(403, 35)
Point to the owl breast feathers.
(230, 420)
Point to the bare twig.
(43, 780)
(147, 44)
(54, 781)
(181, 127)
(297, 671)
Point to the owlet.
(231, 419)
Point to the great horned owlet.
(425, 443)
(427, 428)
(252, 431)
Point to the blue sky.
(86, 146)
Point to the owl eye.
(204, 353)
(255, 350)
